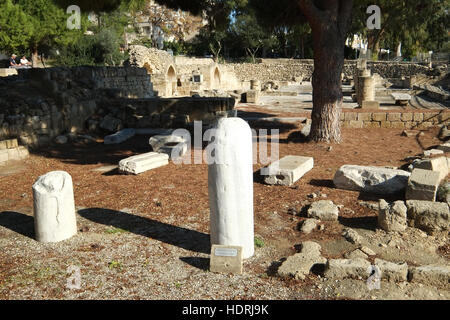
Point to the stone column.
(230, 181)
(366, 90)
(54, 207)
(360, 73)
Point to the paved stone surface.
(288, 170)
(428, 216)
(324, 210)
(376, 180)
(143, 162)
(423, 185)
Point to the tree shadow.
(95, 152)
(181, 237)
(18, 222)
(368, 223)
(197, 262)
(322, 183)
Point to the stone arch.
(171, 77)
(148, 68)
(216, 78)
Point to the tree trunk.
(34, 57)
(326, 82)
(329, 22)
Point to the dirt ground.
(147, 236)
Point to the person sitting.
(12, 61)
(24, 62)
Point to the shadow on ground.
(368, 223)
(181, 237)
(18, 222)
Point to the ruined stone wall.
(40, 104)
(290, 69)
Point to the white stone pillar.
(54, 207)
(230, 180)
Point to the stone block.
(356, 124)
(11, 144)
(423, 185)
(392, 217)
(385, 124)
(394, 117)
(364, 116)
(379, 116)
(226, 259)
(3, 145)
(252, 96)
(143, 162)
(393, 272)
(349, 116)
(324, 210)
(444, 147)
(372, 124)
(370, 105)
(300, 264)
(397, 125)
(428, 216)
(418, 117)
(376, 180)
(347, 268)
(23, 153)
(434, 164)
(408, 116)
(13, 154)
(119, 137)
(288, 170)
(431, 275)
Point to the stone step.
(143, 162)
(288, 170)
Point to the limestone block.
(377, 180)
(393, 272)
(288, 170)
(252, 96)
(370, 104)
(13, 154)
(3, 155)
(434, 275)
(324, 210)
(444, 147)
(347, 268)
(435, 164)
(423, 185)
(230, 184)
(3, 145)
(11, 144)
(392, 217)
(428, 216)
(54, 207)
(143, 162)
(300, 264)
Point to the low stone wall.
(290, 69)
(391, 119)
(166, 113)
(11, 151)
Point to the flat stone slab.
(226, 259)
(377, 180)
(423, 185)
(401, 97)
(444, 147)
(143, 162)
(432, 152)
(287, 171)
(172, 145)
